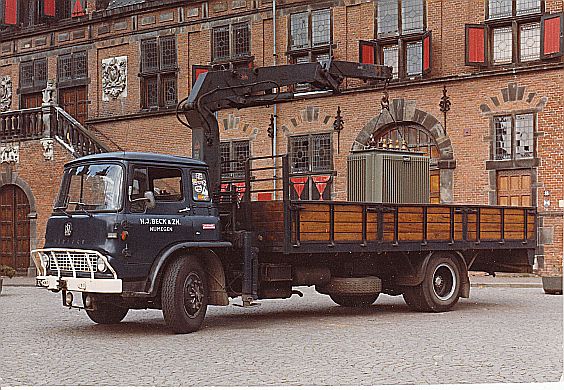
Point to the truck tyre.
(440, 289)
(361, 300)
(184, 295)
(106, 313)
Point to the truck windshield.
(91, 188)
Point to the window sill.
(512, 164)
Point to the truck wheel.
(440, 288)
(106, 313)
(184, 295)
(354, 300)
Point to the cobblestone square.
(498, 335)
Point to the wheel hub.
(193, 294)
(444, 282)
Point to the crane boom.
(242, 88)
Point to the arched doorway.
(417, 139)
(14, 227)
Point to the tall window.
(233, 157)
(514, 136)
(158, 72)
(402, 41)
(511, 34)
(310, 36)
(231, 42)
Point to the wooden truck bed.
(320, 227)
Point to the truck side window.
(166, 184)
(139, 184)
(200, 187)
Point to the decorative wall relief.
(9, 154)
(47, 144)
(114, 78)
(5, 93)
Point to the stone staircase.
(51, 122)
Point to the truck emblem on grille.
(68, 229)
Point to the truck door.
(155, 228)
(205, 219)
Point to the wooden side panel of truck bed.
(296, 226)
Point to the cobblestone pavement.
(498, 335)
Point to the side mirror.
(149, 199)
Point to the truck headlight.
(101, 265)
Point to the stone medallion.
(114, 78)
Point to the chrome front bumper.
(74, 261)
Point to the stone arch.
(405, 111)
(8, 176)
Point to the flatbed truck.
(144, 230)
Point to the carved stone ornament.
(50, 93)
(5, 93)
(114, 78)
(10, 154)
(47, 144)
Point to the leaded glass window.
(311, 153)
(231, 41)
(80, 64)
(321, 27)
(391, 58)
(241, 39)
(502, 45)
(525, 7)
(500, 8)
(415, 138)
(502, 128)
(310, 29)
(65, 68)
(233, 156)
(414, 55)
(299, 30)
(412, 16)
(388, 22)
(524, 126)
(529, 36)
(159, 62)
(72, 66)
(33, 74)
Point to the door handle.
(185, 210)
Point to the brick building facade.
(120, 67)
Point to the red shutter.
(197, 70)
(552, 39)
(49, 8)
(475, 44)
(78, 8)
(366, 52)
(8, 12)
(427, 57)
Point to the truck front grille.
(69, 261)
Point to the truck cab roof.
(139, 157)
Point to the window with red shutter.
(552, 38)
(475, 44)
(427, 52)
(78, 8)
(197, 70)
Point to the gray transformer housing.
(388, 176)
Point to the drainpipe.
(275, 108)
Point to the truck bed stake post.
(250, 267)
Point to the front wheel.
(440, 289)
(106, 313)
(184, 295)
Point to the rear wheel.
(440, 289)
(106, 313)
(354, 300)
(184, 295)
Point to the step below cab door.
(159, 214)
